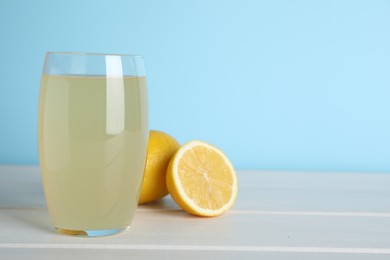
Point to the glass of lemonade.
(92, 134)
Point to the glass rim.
(92, 54)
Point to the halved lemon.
(201, 179)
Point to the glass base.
(91, 233)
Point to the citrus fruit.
(161, 147)
(201, 179)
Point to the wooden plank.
(178, 228)
(271, 191)
(66, 254)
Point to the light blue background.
(282, 85)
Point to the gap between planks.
(261, 212)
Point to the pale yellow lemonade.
(93, 134)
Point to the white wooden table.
(278, 215)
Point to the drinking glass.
(92, 135)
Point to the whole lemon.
(161, 148)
